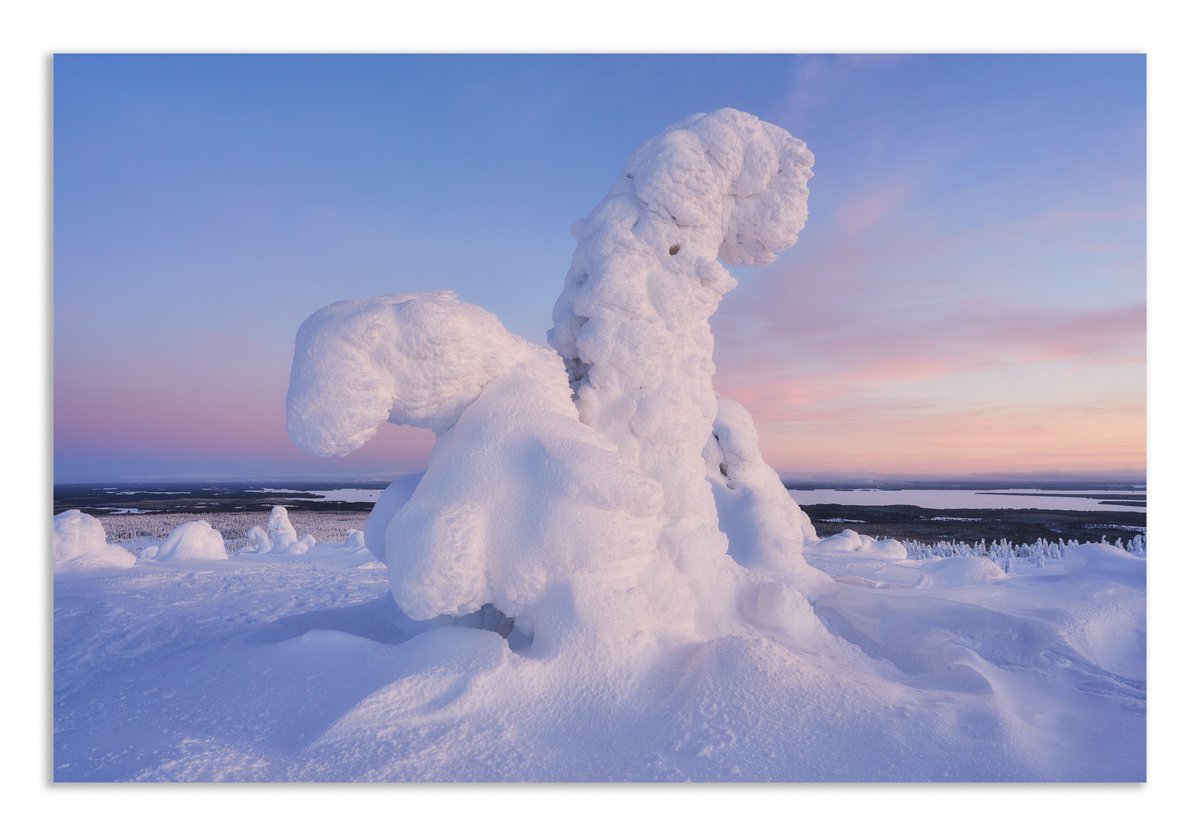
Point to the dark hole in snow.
(724, 470)
(495, 620)
(674, 249)
(492, 618)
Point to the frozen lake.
(1041, 499)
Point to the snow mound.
(302, 546)
(80, 545)
(886, 548)
(850, 543)
(260, 541)
(844, 541)
(959, 571)
(279, 537)
(280, 529)
(1105, 594)
(1107, 561)
(192, 541)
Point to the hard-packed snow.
(597, 577)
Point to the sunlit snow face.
(416, 359)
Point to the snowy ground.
(301, 668)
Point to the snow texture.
(80, 545)
(281, 668)
(408, 359)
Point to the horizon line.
(845, 477)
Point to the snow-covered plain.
(597, 577)
(273, 667)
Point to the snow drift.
(959, 571)
(80, 544)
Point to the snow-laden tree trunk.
(632, 323)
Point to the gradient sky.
(968, 297)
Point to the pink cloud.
(910, 438)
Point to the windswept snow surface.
(597, 577)
(271, 668)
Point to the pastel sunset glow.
(968, 298)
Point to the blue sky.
(967, 298)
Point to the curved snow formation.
(80, 545)
(522, 507)
(404, 358)
(632, 324)
(579, 500)
(632, 320)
